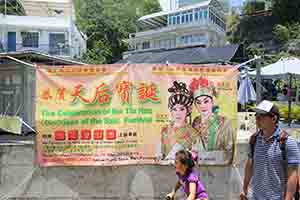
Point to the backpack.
(282, 145)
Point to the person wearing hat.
(215, 131)
(273, 158)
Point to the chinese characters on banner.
(135, 114)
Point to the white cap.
(264, 107)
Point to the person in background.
(274, 91)
(284, 94)
(297, 194)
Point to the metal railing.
(174, 28)
(56, 50)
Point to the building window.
(200, 14)
(205, 13)
(183, 19)
(182, 39)
(186, 39)
(174, 20)
(30, 39)
(212, 17)
(161, 44)
(57, 43)
(138, 46)
(196, 16)
(178, 19)
(1, 47)
(199, 39)
(146, 45)
(191, 16)
(187, 18)
(164, 43)
(192, 39)
(156, 44)
(173, 43)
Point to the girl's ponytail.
(194, 156)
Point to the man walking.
(273, 159)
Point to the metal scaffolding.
(14, 7)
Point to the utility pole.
(5, 8)
(290, 99)
(258, 81)
(71, 29)
(5, 40)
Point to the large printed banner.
(135, 114)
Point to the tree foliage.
(233, 21)
(107, 22)
(252, 7)
(284, 33)
(257, 32)
(281, 33)
(287, 11)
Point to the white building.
(51, 34)
(175, 4)
(48, 8)
(200, 24)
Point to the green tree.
(253, 6)
(232, 24)
(107, 22)
(281, 33)
(287, 11)
(282, 29)
(294, 30)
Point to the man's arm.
(247, 178)
(293, 156)
(291, 182)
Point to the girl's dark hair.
(180, 95)
(185, 157)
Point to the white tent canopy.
(284, 68)
(281, 69)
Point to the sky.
(236, 2)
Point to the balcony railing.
(174, 28)
(58, 50)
